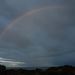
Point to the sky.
(37, 33)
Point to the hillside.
(61, 70)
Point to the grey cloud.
(45, 38)
(24, 5)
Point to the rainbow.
(27, 15)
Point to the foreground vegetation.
(61, 70)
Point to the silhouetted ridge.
(60, 70)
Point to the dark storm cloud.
(44, 39)
(7, 13)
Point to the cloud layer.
(44, 38)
